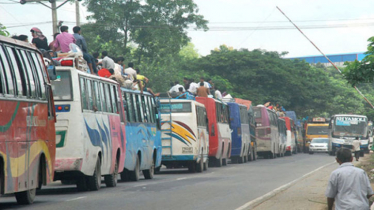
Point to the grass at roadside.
(367, 164)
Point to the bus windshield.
(257, 113)
(182, 107)
(61, 87)
(317, 130)
(350, 126)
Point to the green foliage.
(158, 27)
(3, 31)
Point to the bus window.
(97, 96)
(218, 112)
(89, 94)
(29, 77)
(2, 81)
(147, 108)
(113, 95)
(83, 92)
(136, 108)
(20, 84)
(39, 70)
(151, 110)
(139, 104)
(4, 67)
(28, 60)
(62, 88)
(102, 96)
(130, 108)
(107, 97)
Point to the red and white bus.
(291, 137)
(219, 131)
(27, 129)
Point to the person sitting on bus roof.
(181, 93)
(39, 40)
(130, 71)
(186, 83)
(193, 87)
(106, 72)
(118, 78)
(21, 37)
(202, 91)
(217, 94)
(175, 88)
(107, 62)
(64, 39)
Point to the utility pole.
(77, 14)
(54, 17)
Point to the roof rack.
(174, 95)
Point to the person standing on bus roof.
(356, 147)
(81, 42)
(64, 39)
(217, 94)
(39, 40)
(202, 91)
(348, 187)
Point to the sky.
(335, 26)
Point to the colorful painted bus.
(219, 130)
(267, 136)
(185, 137)
(90, 128)
(282, 128)
(143, 136)
(291, 137)
(315, 128)
(27, 123)
(240, 135)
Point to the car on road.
(318, 145)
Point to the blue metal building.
(335, 58)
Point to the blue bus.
(240, 135)
(143, 135)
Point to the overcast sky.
(242, 24)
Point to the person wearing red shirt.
(105, 72)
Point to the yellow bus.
(317, 128)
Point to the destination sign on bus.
(347, 121)
(319, 119)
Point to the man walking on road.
(356, 147)
(348, 185)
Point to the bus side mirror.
(52, 72)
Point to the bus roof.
(71, 68)
(182, 100)
(348, 115)
(18, 42)
(135, 91)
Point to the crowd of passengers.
(281, 112)
(114, 68)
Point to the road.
(223, 188)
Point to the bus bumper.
(68, 164)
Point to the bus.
(291, 146)
(240, 136)
(267, 136)
(185, 137)
(282, 129)
(252, 131)
(27, 123)
(219, 131)
(90, 128)
(143, 136)
(315, 128)
(344, 128)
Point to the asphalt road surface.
(224, 188)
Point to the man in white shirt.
(176, 87)
(107, 62)
(193, 87)
(356, 148)
(130, 71)
(218, 95)
(349, 187)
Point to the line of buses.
(79, 128)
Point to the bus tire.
(255, 153)
(134, 175)
(125, 176)
(206, 164)
(94, 181)
(192, 167)
(224, 162)
(148, 174)
(219, 162)
(241, 159)
(200, 165)
(111, 180)
(82, 184)
(25, 197)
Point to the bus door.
(142, 130)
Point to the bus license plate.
(187, 149)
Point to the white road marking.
(140, 185)
(268, 195)
(74, 199)
(181, 178)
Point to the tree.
(3, 31)
(157, 27)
